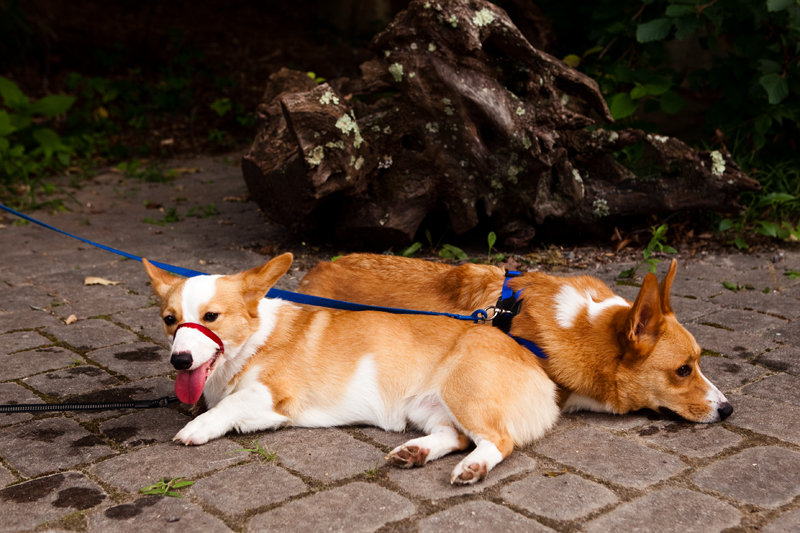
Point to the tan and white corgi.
(605, 353)
(263, 363)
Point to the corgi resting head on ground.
(606, 354)
(263, 363)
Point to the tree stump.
(459, 113)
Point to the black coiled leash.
(50, 407)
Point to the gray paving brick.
(29, 319)
(145, 322)
(326, 455)
(564, 497)
(690, 440)
(137, 360)
(20, 299)
(697, 288)
(88, 335)
(613, 458)
(21, 340)
(34, 448)
(390, 439)
(774, 303)
(432, 481)
(101, 300)
(672, 510)
(146, 466)
(786, 523)
(72, 381)
(336, 510)
(144, 427)
(479, 517)
(153, 513)
(740, 321)
(28, 505)
(13, 394)
(781, 421)
(146, 389)
(729, 343)
(729, 374)
(765, 476)
(615, 422)
(687, 309)
(24, 364)
(247, 487)
(779, 388)
(6, 477)
(790, 333)
(785, 358)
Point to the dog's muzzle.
(183, 360)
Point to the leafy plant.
(372, 472)
(449, 251)
(658, 243)
(165, 488)
(222, 106)
(261, 450)
(411, 250)
(491, 239)
(170, 216)
(792, 274)
(204, 212)
(152, 172)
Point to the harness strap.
(509, 304)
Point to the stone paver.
(633, 472)
(247, 487)
(611, 457)
(764, 476)
(326, 457)
(45, 499)
(168, 515)
(690, 440)
(40, 446)
(673, 510)
(146, 466)
(563, 497)
(787, 523)
(764, 416)
(479, 517)
(354, 508)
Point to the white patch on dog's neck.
(569, 304)
(235, 357)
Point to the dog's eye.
(684, 371)
(169, 320)
(210, 317)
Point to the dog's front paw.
(195, 432)
(468, 474)
(408, 456)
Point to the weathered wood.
(459, 112)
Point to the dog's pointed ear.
(665, 287)
(645, 317)
(160, 280)
(258, 281)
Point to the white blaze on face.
(714, 397)
(570, 303)
(188, 340)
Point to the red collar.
(205, 331)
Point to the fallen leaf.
(71, 319)
(186, 170)
(623, 244)
(555, 474)
(165, 142)
(99, 281)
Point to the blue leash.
(293, 297)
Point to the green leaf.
(741, 243)
(671, 103)
(779, 5)
(492, 238)
(679, 11)
(452, 252)
(48, 139)
(725, 224)
(731, 286)
(12, 95)
(181, 484)
(655, 30)
(669, 250)
(411, 250)
(657, 86)
(792, 274)
(638, 92)
(686, 26)
(52, 105)
(777, 87)
(626, 273)
(768, 229)
(622, 106)
(6, 128)
(762, 123)
(775, 198)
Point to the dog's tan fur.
(313, 366)
(623, 359)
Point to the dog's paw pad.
(468, 474)
(408, 456)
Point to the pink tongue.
(189, 383)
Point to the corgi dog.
(261, 363)
(606, 354)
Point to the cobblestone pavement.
(638, 472)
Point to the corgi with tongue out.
(262, 363)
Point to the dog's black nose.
(725, 411)
(181, 360)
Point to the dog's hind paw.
(468, 474)
(408, 456)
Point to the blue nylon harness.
(508, 306)
(479, 315)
